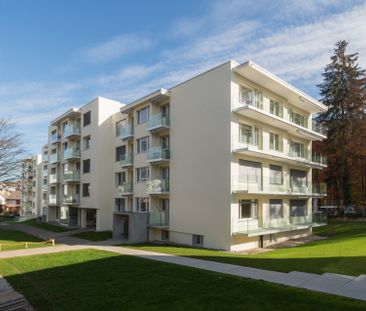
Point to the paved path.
(11, 300)
(331, 283)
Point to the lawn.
(18, 240)
(46, 226)
(94, 236)
(97, 280)
(344, 252)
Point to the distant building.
(13, 202)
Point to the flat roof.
(68, 113)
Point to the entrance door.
(125, 227)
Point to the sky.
(59, 54)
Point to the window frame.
(139, 113)
(86, 118)
(139, 171)
(138, 144)
(273, 204)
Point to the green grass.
(344, 252)
(97, 280)
(94, 236)
(46, 226)
(18, 239)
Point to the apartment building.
(223, 160)
(79, 192)
(30, 186)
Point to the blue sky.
(59, 54)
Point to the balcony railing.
(126, 159)
(320, 159)
(157, 186)
(45, 173)
(126, 131)
(53, 199)
(122, 209)
(299, 188)
(72, 199)
(72, 176)
(71, 130)
(53, 178)
(159, 219)
(55, 138)
(158, 154)
(319, 189)
(54, 158)
(126, 188)
(319, 128)
(158, 121)
(247, 183)
(71, 153)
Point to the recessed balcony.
(72, 130)
(157, 187)
(126, 189)
(319, 189)
(53, 179)
(73, 199)
(158, 155)
(158, 122)
(55, 138)
(72, 176)
(126, 160)
(72, 154)
(126, 132)
(159, 219)
(53, 199)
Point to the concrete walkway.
(10, 299)
(331, 283)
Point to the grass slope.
(94, 236)
(45, 226)
(18, 238)
(343, 252)
(96, 280)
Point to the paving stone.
(303, 275)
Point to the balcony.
(158, 155)
(157, 186)
(55, 138)
(73, 199)
(126, 189)
(255, 112)
(71, 130)
(45, 173)
(159, 219)
(252, 227)
(126, 160)
(72, 154)
(44, 188)
(126, 132)
(53, 179)
(158, 122)
(122, 209)
(54, 158)
(71, 176)
(319, 189)
(53, 199)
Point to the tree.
(343, 91)
(10, 151)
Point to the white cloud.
(116, 47)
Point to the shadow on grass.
(96, 280)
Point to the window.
(298, 208)
(120, 179)
(276, 108)
(248, 209)
(86, 190)
(143, 144)
(142, 205)
(120, 205)
(251, 97)
(86, 142)
(120, 152)
(87, 118)
(250, 172)
(275, 142)
(119, 125)
(164, 235)
(142, 115)
(248, 134)
(142, 174)
(298, 179)
(275, 175)
(298, 119)
(297, 150)
(197, 240)
(275, 208)
(86, 166)
(65, 145)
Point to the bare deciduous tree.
(10, 150)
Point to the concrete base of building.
(130, 226)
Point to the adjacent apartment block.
(223, 160)
(30, 185)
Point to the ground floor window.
(298, 208)
(248, 209)
(164, 235)
(197, 240)
(275, 208)
(120, 204)
(142, 205)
